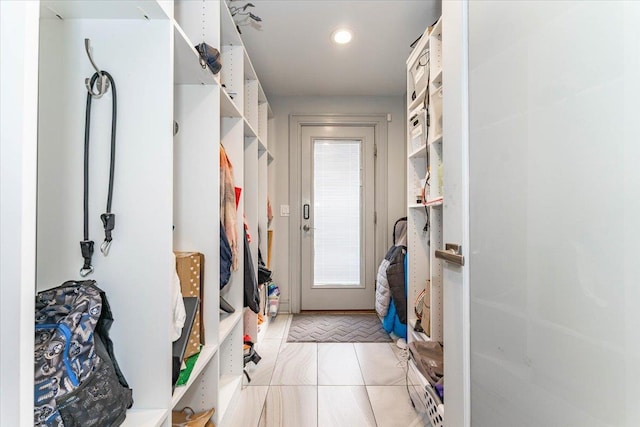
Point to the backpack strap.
(108, 218)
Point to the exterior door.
(338, 231)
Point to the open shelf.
(248, 129)
(228, 31)
(186, 65)
(420, 152)
(229, 385)
(228, 322)
(228, 108)
(419, 100)
(416, 206)
(436, 139)
(101, 9)
(262, 148)
(249, 71)
(206, 354)
(436, 201)
(436, 81)
(145, 417)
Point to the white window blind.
(337, 196)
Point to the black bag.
(264, 275)
(251, 294)
(209, 57)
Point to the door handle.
(307, 228)
(452, 254)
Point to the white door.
(553, 207)
(338, 203)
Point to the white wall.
(554, 208)
(279, 169)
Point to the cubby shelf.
(436, 139)
(228, 32)
(206, 354)
(249, 131)
(228, 108)
(420, 152)
(418, 101)
(229, 386)
(228, 322)
(187, 68)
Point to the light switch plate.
(284, 210)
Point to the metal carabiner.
(105, 246)
(84, 272)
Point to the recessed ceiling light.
(341, 36)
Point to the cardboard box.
(190, 268)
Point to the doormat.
(337, 328)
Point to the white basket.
(427, 401)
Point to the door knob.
(307, 228)
(452, 254)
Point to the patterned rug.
(337, 328)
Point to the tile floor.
(325, 385)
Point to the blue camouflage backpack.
(77, 380)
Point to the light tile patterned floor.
(325, 385)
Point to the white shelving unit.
(166, 194)
(237, 97)
(424, 189)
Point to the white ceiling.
(293, 54)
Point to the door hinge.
(375, 150)
(375, 217)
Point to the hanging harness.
(108, 218)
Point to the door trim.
(455, 131)
(296, 122)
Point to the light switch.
(284, 210)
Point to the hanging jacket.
(228, 211)
(251, 294)
(226, 258)
(384, 283)
(390, 278)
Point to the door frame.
(296, 123)
(455, 131)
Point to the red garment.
(228, 210)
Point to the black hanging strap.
(108, 218)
